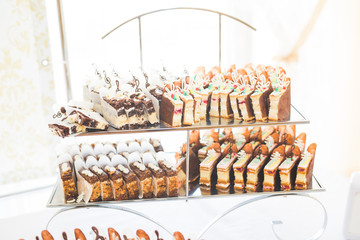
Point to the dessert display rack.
(297, 117)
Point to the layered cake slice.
(305, 169)
(68, 181)
(145, 177)
(202, 153)
(234, 95)
(133, 115)
(225, 172)
(141, 115)
(117, 183)
(208, 168)
(149, 108)
(280, 101)
(197, 103)
(271, 170)
(113, 109)
(188, 108)
(214, 88)
(255, 134)
(194, 168)
(247, 88)
(241, 137)
(156, 144)
(88, 185)
(240, 167)
(266, 132)
(288, 169)
(159, 180)
(272, 141)
(227, 148)
(131, 181)
(171, 109)
(197, 91)
(260, 99)
(225, 105)
(254, 172)
(300, 141)
(171, 177)
(105, 185)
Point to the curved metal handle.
(317, 235)
(109, 207)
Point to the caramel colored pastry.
(260, 99)
(204, 151)
(241, 137)
(79, 235)
(88, 185)
(195, 144)
(255, 169)
(117, 183)
(131, 181)
(255, 134)
(171, 109)
(271, 170)
(226, 136)
(105, 185)
(266, 132)
(113, 234)
(68, 181)
(288, 169)
(171, 178)
(280, 100)
(141, 234)
(272, 141)
(227, 148)
(305, 169)
(145, 177)
(159, 180)
(240, 167)
(46, 235)
(300, 141)
(208, 168)
(178, 236)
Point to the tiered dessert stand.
(56, 199)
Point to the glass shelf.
(296, 117)
(57, 199)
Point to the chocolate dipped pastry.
(280, 100)
(241, 137)
(305, 169)
(171, 109)
(225, 104)
(255, 169)
(260, 98)
(88, 185)
(247, 87)
(63, 129)
(145, 177)
(240, 167)
(288, 168)
(105, 185)
(188, 107)
(159, 180)
(271, 170)
(68, 181)
(300, 141)
(113, 108)
(117, 183)
(171, 177)
(156, 144)
(208, 174)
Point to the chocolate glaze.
(125, 237)
(37, 238)
(96, 231)
(64, 236)
(158, 235)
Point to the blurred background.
(317, 42)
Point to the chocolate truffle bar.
(68, 181)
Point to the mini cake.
(266, 132)
(228, 148)
(188, 108)
(272, 141)
(214, 88)
(235, 104)
(194, 168)
(156, 144)
(171, 109)
(271, 170)
(149, 108)
(280, 101)
(225, 105)
(141, 115)
(131, 181)
(171, 177)
(224, 173)
(197, 104)
(240, 167)
(201, 97)
(208, 168)
(260, 99)
(247, 87)
(255, 173)
(105, 185)
(159, 180)
(145, 177)
(305, 169)
(226, 136)
(255, 134)
(68, 181)
(202, 153)
(117, 183)
(88, 185)
(241, 137)
(113, 109)
(288, 169)
(134, 116)
(300, 141)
